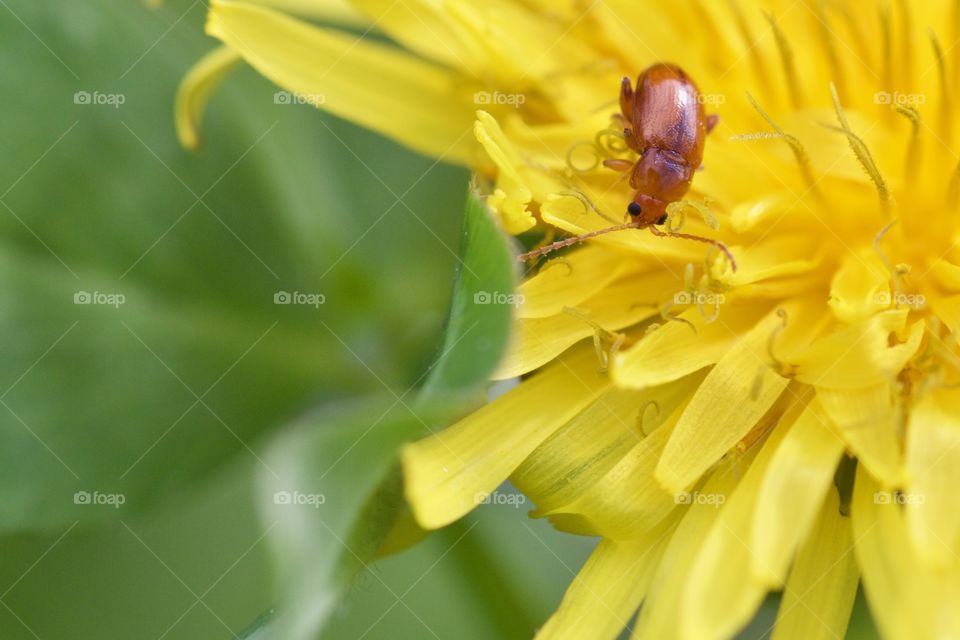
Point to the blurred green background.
(172, 398)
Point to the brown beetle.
(664, 122)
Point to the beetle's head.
(646, 209)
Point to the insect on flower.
(664, 122)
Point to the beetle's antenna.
(560, 244)
(690, 236)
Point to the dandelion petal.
(823, 582)
(792, 492)
(447, 474)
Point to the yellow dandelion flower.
(789, 425)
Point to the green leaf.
(344, 464)
(263, 628)
(331, 503)
(480, 313)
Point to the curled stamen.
(579, 315)
(558, 261)
(642, 416)
(861, 150)
(795, 145)
(913, 150)
(786, 57)
(611, 141)
(618, 342)
(778, 365)
(702, 208)
(601, 355)
(600, 336)
(588, 204)
(895, 274)
(669, 317)
(676, 218)
(597, 157)
(713, 299)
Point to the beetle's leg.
(712, 121)
(636, 179)
(635, 116)
(626, 99)
(628, 137)
(618, 164)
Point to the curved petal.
(195, 91)
(907, 598)
(823, 582)
(414, 102)
(861, 355)
(627, 501)
(676, 349)
(449, 473)
(792, 492)
(866, 418)
(933, 472)
(860, 288)
(625, 303)
(660, 616)
(605, 594)
(736, 394)
(720, 592)
(571, 279)
(568, 463)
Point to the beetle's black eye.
(634, 209)
(662, 219)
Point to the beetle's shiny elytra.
(664, 123)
